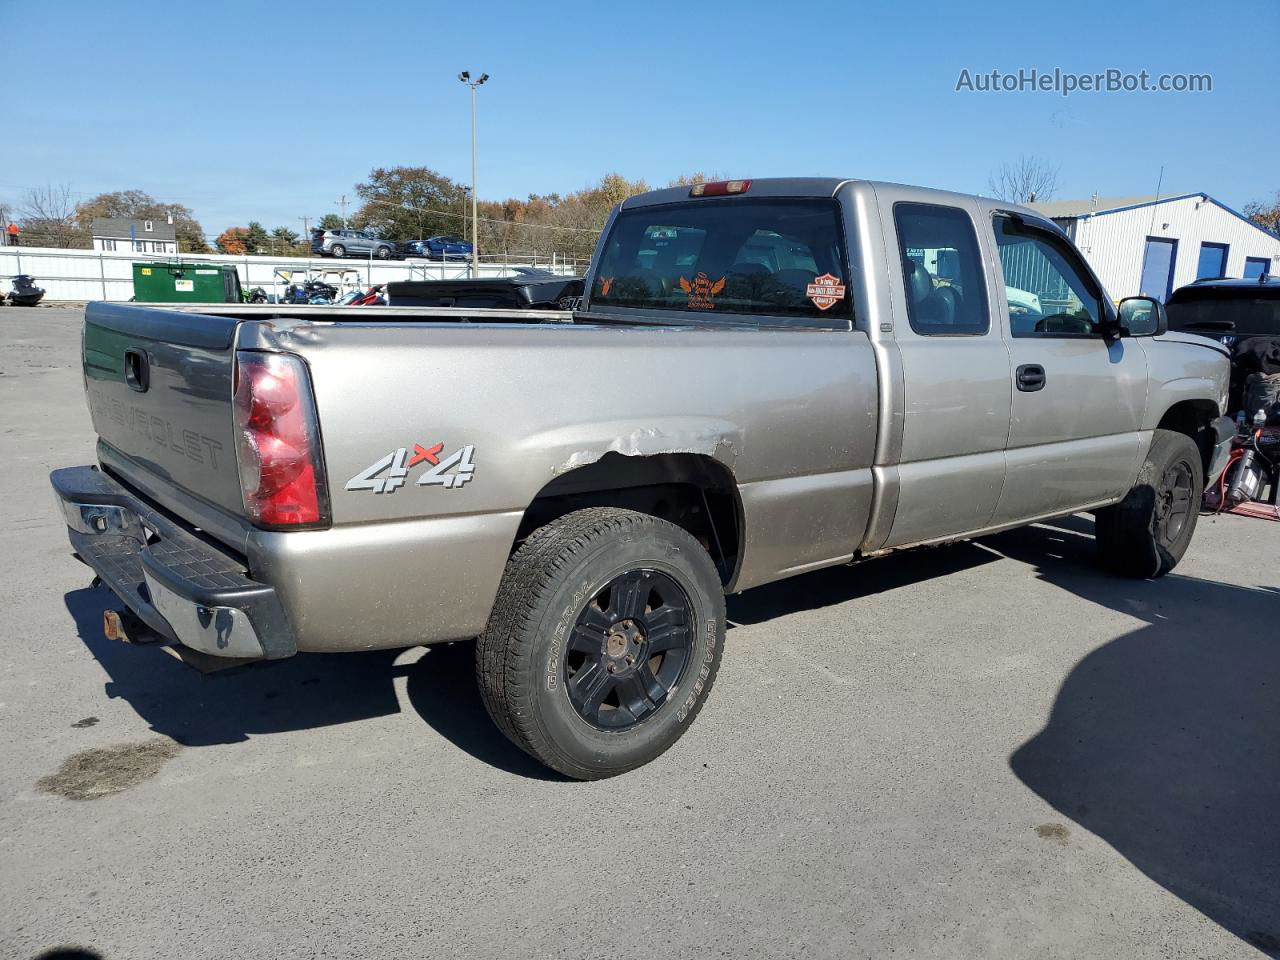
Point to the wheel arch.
(694, 491)
(1193, 417)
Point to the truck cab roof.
(781, 187)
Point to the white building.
(1152, 246)
(138, 236)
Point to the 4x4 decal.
(390, 473)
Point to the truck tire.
(603, 642)
(1146, 533)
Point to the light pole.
(465, 77)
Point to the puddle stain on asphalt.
(102, 771)
(1054, 832)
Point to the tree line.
(396, 203)
(412, 203)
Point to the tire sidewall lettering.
(568, 615)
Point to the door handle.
(1030, 377)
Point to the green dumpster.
(175, 282)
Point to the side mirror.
(1142, 317)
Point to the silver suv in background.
(342, 243)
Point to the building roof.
(1081, 208)
(1071, 209)
(118, 228)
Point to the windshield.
(779, 258)
(1237, 316)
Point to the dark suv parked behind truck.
(1243, 314)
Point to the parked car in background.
(438, 248)
(343, 243)
(1229, 310)
(1244, 315)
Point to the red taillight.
(277, 444)
(719, 188)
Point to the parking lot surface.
(987, 749)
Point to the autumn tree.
(1026, 180)
(138, 205)
(689, 179)
(543, 225)
(232, 240)
(1265, 213)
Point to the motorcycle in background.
(313, 291)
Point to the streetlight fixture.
(465, 77)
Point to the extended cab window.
(779, 258)
(941, 269)
(1049, 292)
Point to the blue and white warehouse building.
(1153, 245)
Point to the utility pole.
(465, 77)
(306, 229)
(342, 201)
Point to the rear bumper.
(181, 586)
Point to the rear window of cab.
(781, 259)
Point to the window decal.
(701, 291)
(825, 291)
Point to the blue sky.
(271, 111)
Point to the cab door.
(1078, 398)
(955, 367)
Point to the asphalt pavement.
(991, 749)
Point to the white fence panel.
(103, 275)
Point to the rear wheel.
(603, 643)
(338, 250)
(1146, 533)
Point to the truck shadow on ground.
(318, 690)
(302, 692)
(1165, 742)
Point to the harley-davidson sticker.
(825, 291)
(701, 291)
(388, 474)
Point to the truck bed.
(534, 403)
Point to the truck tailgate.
(159, 386)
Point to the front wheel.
(384, 253)
(1146, 533)
(603, 643)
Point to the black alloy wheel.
(629, 648)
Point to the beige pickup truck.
(764, 378)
